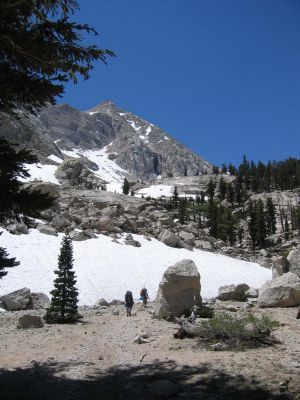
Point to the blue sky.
(221, 76)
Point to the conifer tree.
(222, 187)
(252, 222)
(63, 307)
(5, 261)
(270, 216)
(210, 190)
(175, 196)
(14, 198)
(126, 186)
(182, 210)
(260, 224)
(41, 49)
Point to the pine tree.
(40, 50)
(185, 171)
(210, 190)
(63, 307)
(222, 187)
(175, 196)
(270, 216)
(252, 222)
(14, 198)
(260, 224)
(182, 210)
(5, 261)
(126, 186)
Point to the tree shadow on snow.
(131, 382)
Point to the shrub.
(235, 330)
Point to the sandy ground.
(97, 359)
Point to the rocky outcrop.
(179, 289)
(233, 292)
(283, 291)
(73, 172)
(294, 261)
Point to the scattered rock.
(78, 236)
(169, 238)
(28, 321)
(116, 312)
(217, 346)
(233, 292)
(102, 302)
(47, 230)
(139, 339)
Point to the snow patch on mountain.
(107, 269)
(156, 191)
(41, 172)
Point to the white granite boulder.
(179, 289)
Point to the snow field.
(106, 269)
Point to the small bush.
(235, 330)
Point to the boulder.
(179, 289)
(102, 302)
(251, 293)
(112, 211)
(104, 224)
(279, 266)
(39, 300)
(187, 237)
(203, 244)
(233, 292)
(47, 230)
(17, 228)
(78, 236)
(28, 321)
(283, 291)
(18, 300)
(294, 261)
(169, 238)
(134, 243)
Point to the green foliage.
(175, 196)
(63, 307)
(14, 198)
(126, 186)
(237, 329)
(40, 50)
(182, 210)
(5, 261)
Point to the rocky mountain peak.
(106, 106)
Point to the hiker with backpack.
(144, 296)
(128, 302)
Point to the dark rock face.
(141, 148)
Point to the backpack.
(128, 297)
(143, 292)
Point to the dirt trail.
(98, 356)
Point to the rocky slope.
(141, 148)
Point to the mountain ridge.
(136, 145)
